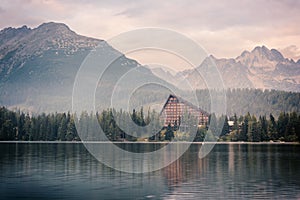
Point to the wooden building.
(175, 108)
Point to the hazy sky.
(223, 28)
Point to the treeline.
(257, 101)
(252, 129)
(18, 126)
(117, 124)
(44, 127)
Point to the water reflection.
(237, 170)
(68, 171)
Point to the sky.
(223, 28)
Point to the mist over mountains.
(38, 68)
(261, 68)
(39, 65)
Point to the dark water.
(230, 171)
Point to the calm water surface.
(230, 171)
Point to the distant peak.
(245, 53)
(24, 27)
(264, 47)
(260, 49)
(53, 25)
(277, 54)
(12, 31)
(263, 51)
(53, 28)
(212, 57)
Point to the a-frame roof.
(181, 100)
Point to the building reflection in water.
(230, 170)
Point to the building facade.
(175, 108)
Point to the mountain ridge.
(38, 67)
(261, 68)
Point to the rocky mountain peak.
(261, 57)
(52, 25)
(260, 68)
(245, 53)
(261, 49)
(11, 30)
(51, 35)
(265, 53)
(53, 28)
(10, 33)
(19, 46)
(276, 54)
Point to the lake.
(230, 171)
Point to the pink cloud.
(291, 52)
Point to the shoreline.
(128, 142)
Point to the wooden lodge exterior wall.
(175, 108)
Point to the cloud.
(224, 28)
(214, 15)
(29, 12)
(291, 52)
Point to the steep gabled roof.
(181, 100)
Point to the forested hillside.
(255, 101)
(18, 126)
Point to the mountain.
(38, 67)
(261, 68)
(268, 69)
(166, 74)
